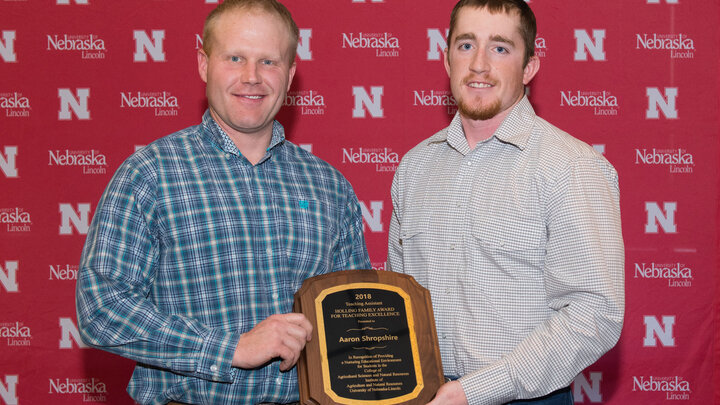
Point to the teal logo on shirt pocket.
(304, 204)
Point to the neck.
(253, 146)
(477, 131)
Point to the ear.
(446, 60)
(291, 74)
(202, 64)
(531, 69)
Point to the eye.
(235, 59)
(501, 49)
(267, 62)
(465, 46)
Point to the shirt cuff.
(214, 361)
(488, 386)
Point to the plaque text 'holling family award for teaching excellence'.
(374, 340)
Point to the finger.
(294, 347)
(300, 320)
(289, 357)
(280, 324)
(296, 343)
(298, 332)
(294, 317)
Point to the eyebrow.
(493, 38)
(465, 36)
(500, 38)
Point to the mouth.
(476, 85)
(475, 82)
(250, 97)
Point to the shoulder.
(168, 144)
(141, 168)
(302, 157)
(418, 160)
(554, 144)
(559, 153)
(424, 151)
(315, 171)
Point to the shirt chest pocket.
(413, 232)
(417, 247)
(514, 240)
(306, 229)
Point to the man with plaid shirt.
(202, 237)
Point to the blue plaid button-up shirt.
(191, 246)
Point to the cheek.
(280, 83)
(456, 76)
(509, 73)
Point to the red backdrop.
(83, 83)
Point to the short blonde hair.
(270, 6)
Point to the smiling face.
(248, 71)
(485, 63)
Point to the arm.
(584, 283)
(351, 251)
(117, 271)
(395, 255)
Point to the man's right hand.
(281, 335)
(450, 393)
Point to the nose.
(479, 62)
(250, 73)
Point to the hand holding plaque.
(374, 340)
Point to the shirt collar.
(219, 137)
(515, 129)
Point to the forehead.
(251, 27)
(483, 23)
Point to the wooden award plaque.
(374, 340)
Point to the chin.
(479, 113)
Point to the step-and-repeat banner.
(85, 83)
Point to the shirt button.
(213, 368)
(268, 251)
(278, 380)
(275, 296)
